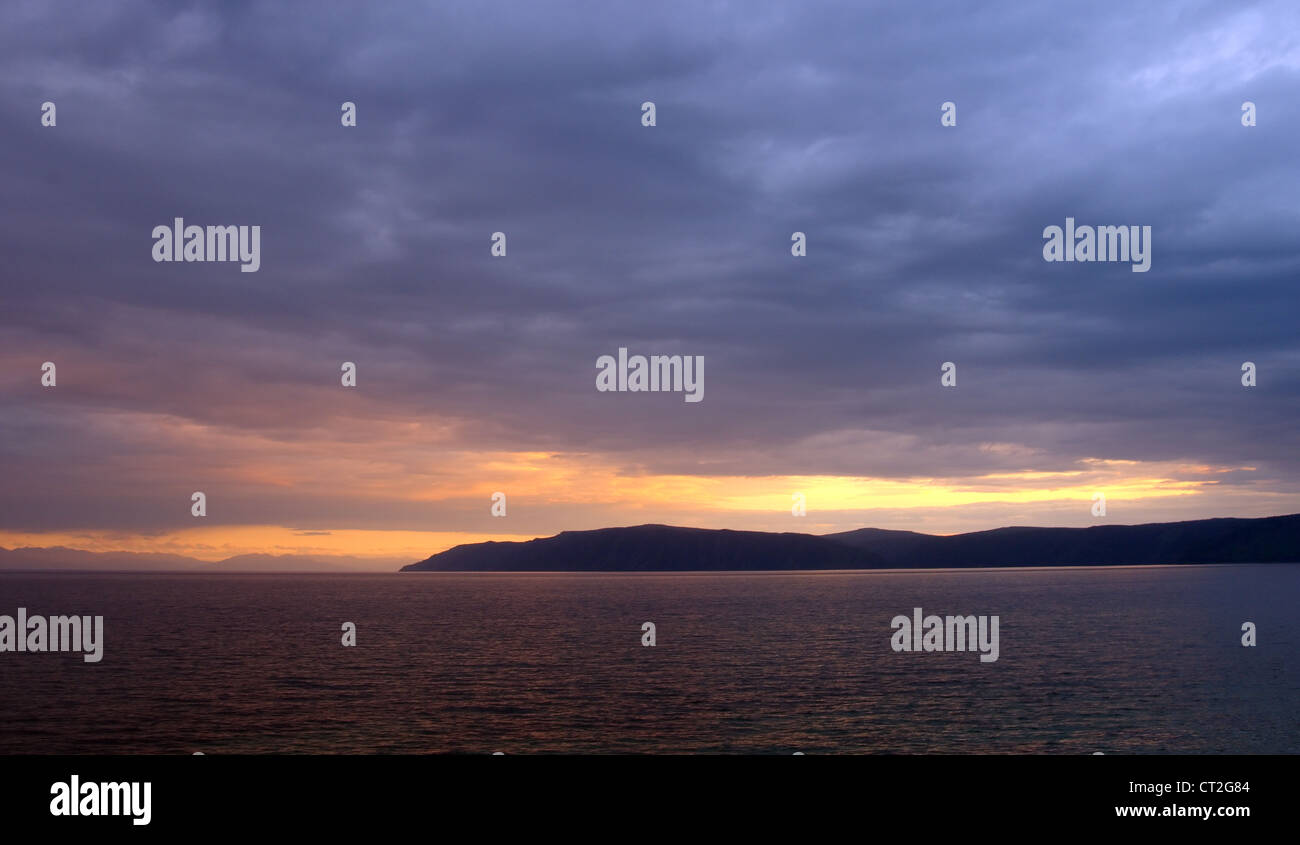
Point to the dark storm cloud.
(924, 242)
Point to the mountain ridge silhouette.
(664, 548)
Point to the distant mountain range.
(58, 558)
(663, 548)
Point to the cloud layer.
(477, 373)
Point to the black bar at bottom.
(638, 798)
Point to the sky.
(476, 373)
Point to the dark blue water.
(1112, 660)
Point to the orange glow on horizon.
(572, 486)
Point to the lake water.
(1145, 659)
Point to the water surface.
(1145, 659)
